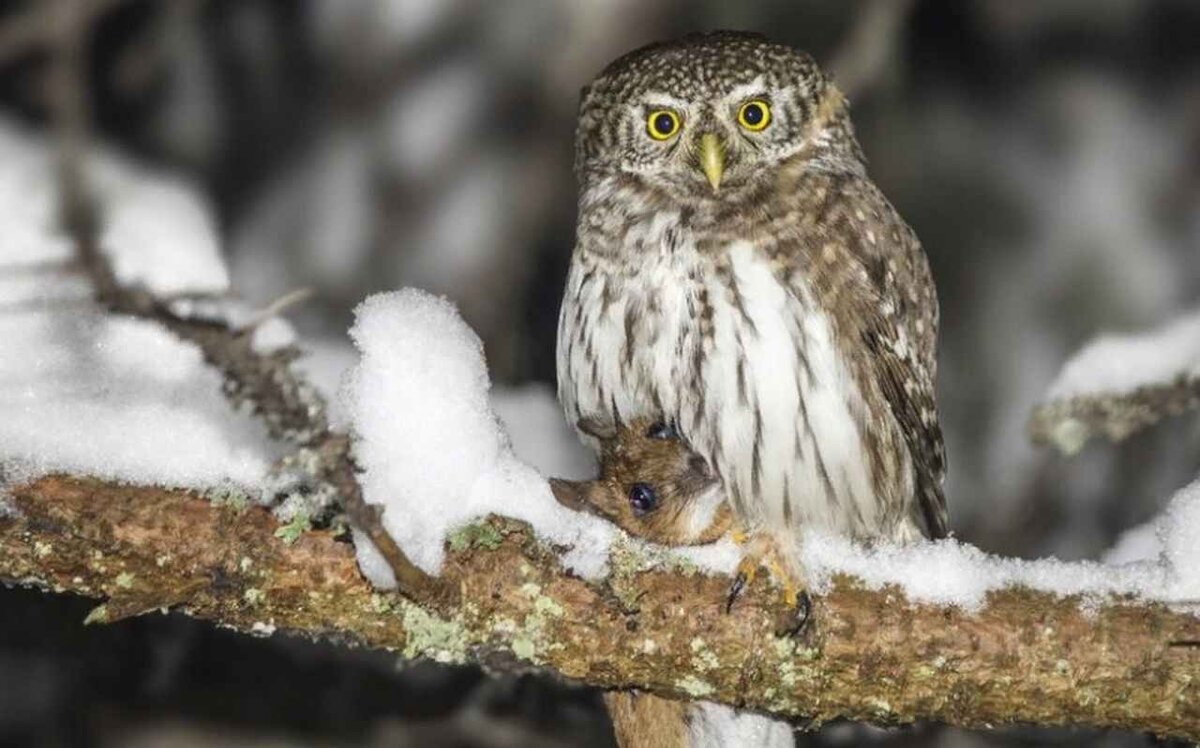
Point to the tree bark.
(1026, 657)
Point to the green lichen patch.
(694, 687)
(299, 524)
(229, 496)
(475, 535)
(438, 639)
(703, 658)
(380, 604)
(124, 580)
(532, 637)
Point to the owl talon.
(747, 570)
(796, 621)
(735, 591)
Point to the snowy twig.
(1069, 423)
(1024, 657)
(1119, 384)
(291, 408)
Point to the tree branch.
(1068, 424)
(1026, 657)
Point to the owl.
(738, 275)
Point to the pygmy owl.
(738, 275)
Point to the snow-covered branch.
(1119, 385)
(1023, 657)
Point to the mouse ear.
(597, 426)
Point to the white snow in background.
(156, 229)
(381, 26)
(339, 202)
(539, 433)
(1135, 544)
(431, 448)
(1120, 363)
(87, 392)
(28, 201)
(428, 121)
(158, 233)
(458, 238)
(948, 572)
(718, 726)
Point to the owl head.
(709, 115)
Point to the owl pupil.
(753, 114)
(663, 124)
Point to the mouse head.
(651, 484)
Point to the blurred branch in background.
(1069, 424)
(871, 47)
(1119, 385)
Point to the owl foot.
(762, 552)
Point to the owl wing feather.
(908, 388)
(901, 333)
(892, 312)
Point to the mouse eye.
(661, 430)
(642, 498)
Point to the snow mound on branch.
(433, 452)
(89, 393)
(1122, 363)
(948, 572)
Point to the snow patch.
(156, 229)
(89, 393)
(1122, 363)
(118, 398)
(947, 572)
(433, 451)
(716, 726)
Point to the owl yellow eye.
(754, 115)
(662, 124)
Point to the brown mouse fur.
(688, 505)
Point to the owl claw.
(735, 591)
(799, 616)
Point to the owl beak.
(712, 158)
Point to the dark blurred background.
(1046, 152)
